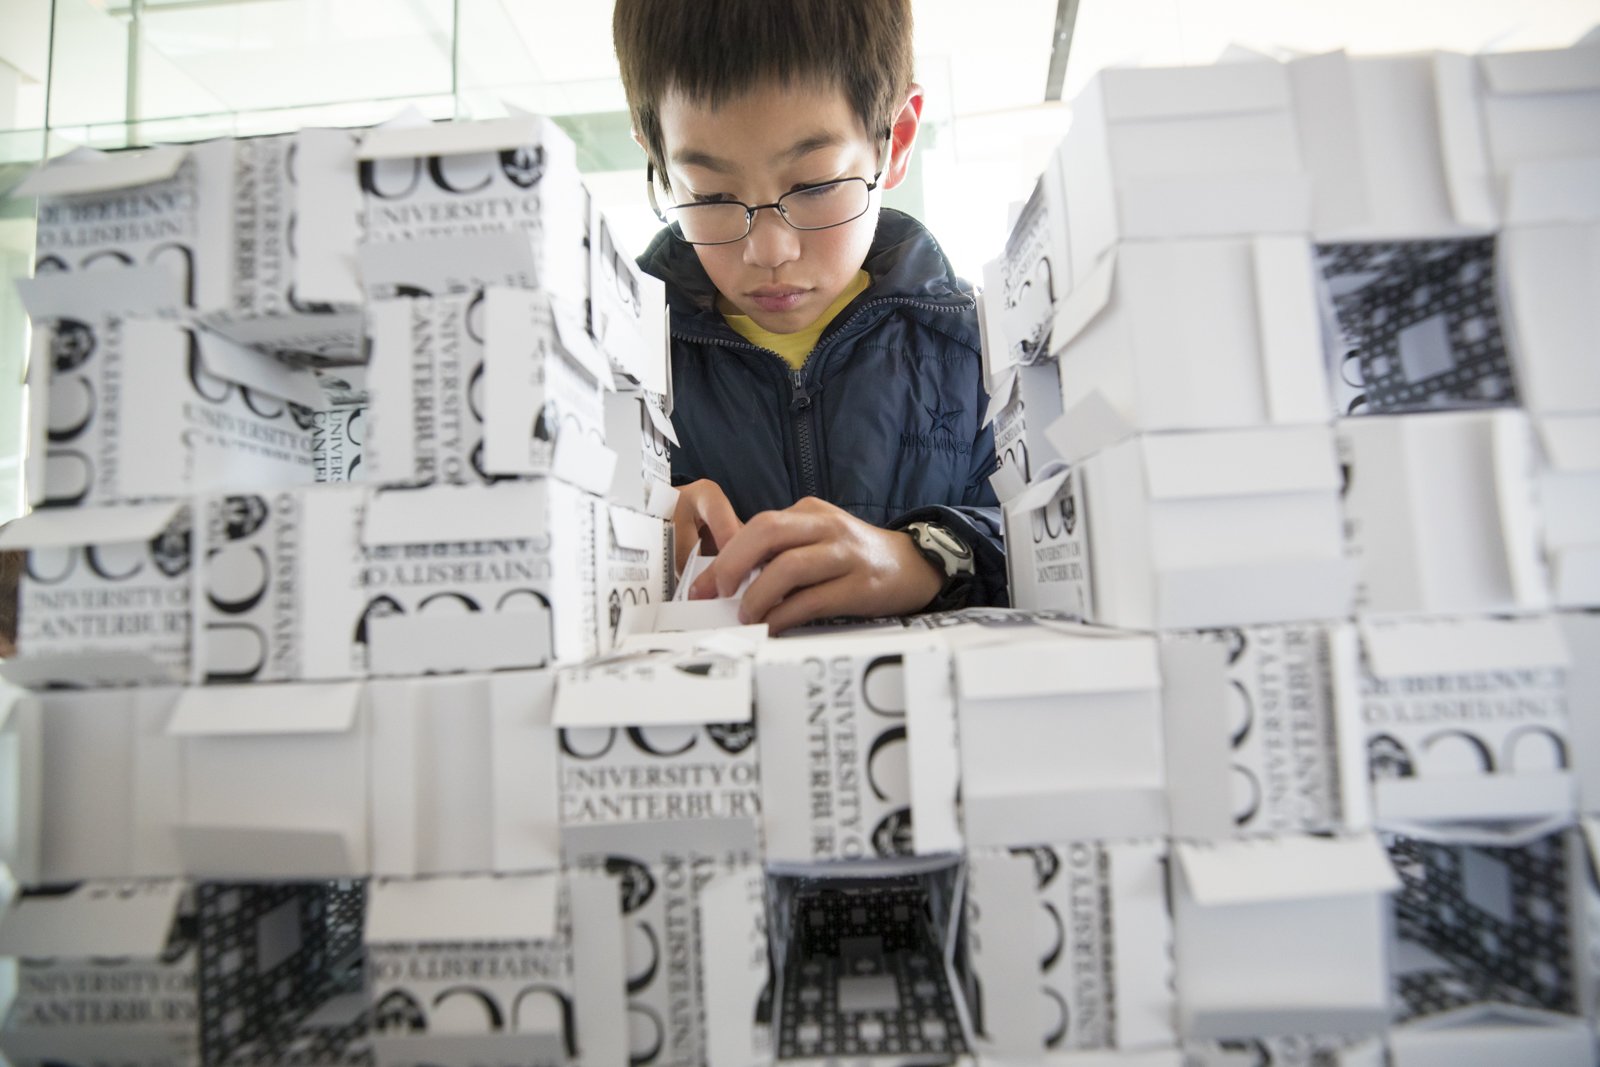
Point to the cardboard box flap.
(76, 175)
(453, 514)
(126, 290)
(1461, 646)
(1556, 70)
(1043, 489)
(279, 708)
(686, 689)
(1087, 299)
(579, 345)
(1001, 398)
(580, 460)
(633, 530)
(69, 527)
(95, 919)
(1086, 427)
(1065, 666)
(1221, 463)
(267, 854)
(477, 909)
(257, 370)
(1571, 442)
(1283, 869)
(89, 669)
(660, 420)
(453, 138)
(1187, 92)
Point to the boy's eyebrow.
(803, 147)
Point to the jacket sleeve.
(976, 520)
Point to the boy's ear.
(903, 138)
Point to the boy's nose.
(772, 242)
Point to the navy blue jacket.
(885, 419)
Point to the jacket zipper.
(800, 407)
(801, 396)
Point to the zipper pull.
(800, 399)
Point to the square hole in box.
(1418, 326)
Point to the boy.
(825, 359)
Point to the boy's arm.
(976, 520)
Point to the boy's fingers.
(762, 538)
(716, 518)
(787, 572)
(809, 604)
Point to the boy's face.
(755, 148)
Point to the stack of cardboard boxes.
(333, 412)
(1292, 367)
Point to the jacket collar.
(904, 261)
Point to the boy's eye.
(710, 198)
(816, 192)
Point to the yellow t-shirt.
(795, 347)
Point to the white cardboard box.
(463, 774)
(627, 308)
(1060, 736)
(661, 730)
(1440, 513)
(858, 741)
(260, 233)
(21, 784)
(103, 595)
(454, 206)
(677, 949)
(1131, 359)
(1569, 503)
(140, 409)
(634, 566)
(640, 433)
(1263, 734)
(338, 581)
(106, 973)
(466, 387)
(1548, 277)
(1023, 287)
(1381, 137)
(1025, 404)
(121, 828)
(546, 954)
(1182, 152)
(1047, 544)
(1298, 1051)
(1219, 528)
(272, 781)
(1070, 949)
(543, 391)
(1531, 143)
(1466, 719)
(1282, 936)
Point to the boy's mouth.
(775, 298)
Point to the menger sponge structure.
(353, 722)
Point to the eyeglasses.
(724, 222)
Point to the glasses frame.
(777, 205)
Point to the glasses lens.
(827, 205)
(709, 223)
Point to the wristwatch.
(953, 557)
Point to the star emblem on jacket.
(942, 419)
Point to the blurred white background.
(119, 72)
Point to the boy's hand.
(703, 515)
(819, 561)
